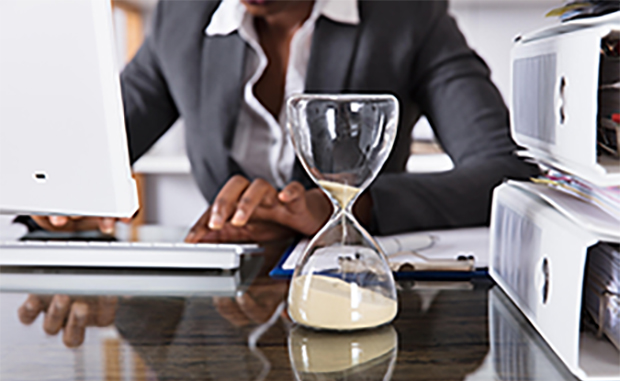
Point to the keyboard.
(123, 254)
(136, 282)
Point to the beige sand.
(342, 193)
(330, 303)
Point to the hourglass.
(342, 281)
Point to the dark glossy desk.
(443, 331)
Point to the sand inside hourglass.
(330, 303)
(341, 192)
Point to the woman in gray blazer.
(226, 68)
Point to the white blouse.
(261, 145)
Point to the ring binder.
(549, 236)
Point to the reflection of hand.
(244, 211)
(73, 314)
(256, 305)
(78, 223)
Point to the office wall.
(489, 27)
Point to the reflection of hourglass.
(343, 281)
(366, 355)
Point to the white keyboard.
(139, 283)
(123, 254)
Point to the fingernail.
(59, 305)
(215, 222)
(190, 236)
(107, 226)
(56, 220)
(80, 316)
(29, 307)
(238, 217)
(75, 341)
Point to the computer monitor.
(63, 145)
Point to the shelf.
(158, 165)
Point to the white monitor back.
(63, 145)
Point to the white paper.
(580, 212)
(447, 244)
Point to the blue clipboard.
(280, 273)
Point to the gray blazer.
(412, 49)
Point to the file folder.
(556, 75)
(538, 251)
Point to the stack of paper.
(602, 290)
(575, 9)
(451, 250)
(606, 198)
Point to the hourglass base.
(343, 281)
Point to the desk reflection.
(518, 352)
(457, 331)
(363, 355)
(70, 314)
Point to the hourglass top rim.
(343, 97)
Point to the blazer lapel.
(333, 45)
(223, 59)
(221, 91)
(329, 66)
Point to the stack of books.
(576, 9)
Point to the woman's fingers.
(293, 195)
(75, 223)
(259, 192)
(200, 228)
(73, 334)
(259, 314)
(226, 201)
(106, 225)
(56, 314)
(235, 204)
(58, 221)
(230, 311)
(32, 307)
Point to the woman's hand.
(257, 212)
(78, 223)
(70, 314)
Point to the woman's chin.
(256, 2)
(264, 8)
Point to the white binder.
(538, 254)
(554, 98)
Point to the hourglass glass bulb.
(343, 281)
